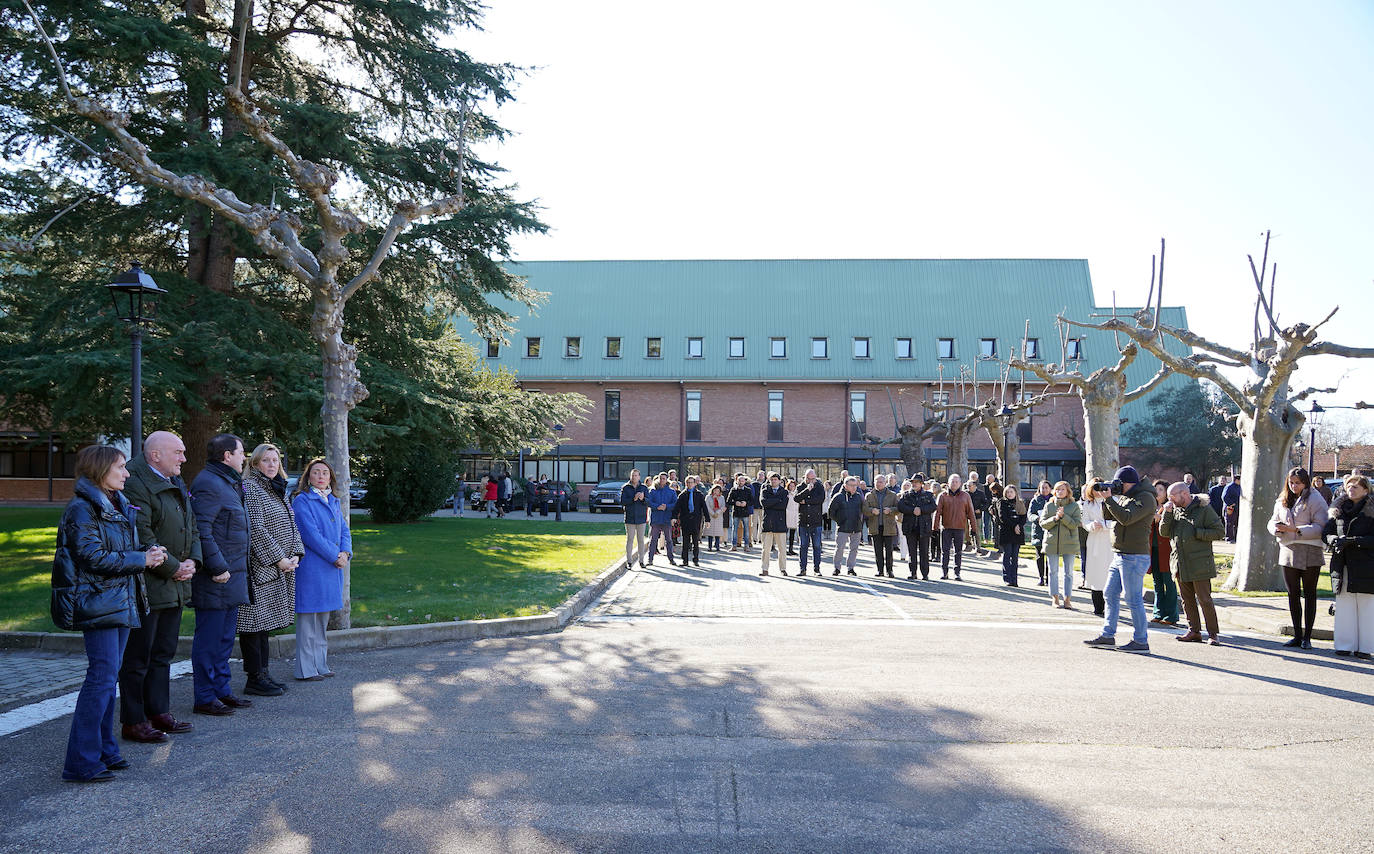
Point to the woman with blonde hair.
(1097, 555)
(274, 552)
(319, 577)
(1061, 519)
(1350, 533)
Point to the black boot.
(259, 687)
(267, 676)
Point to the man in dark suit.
(220, 584)
(690, 512)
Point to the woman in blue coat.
(319, 577)
(97, 588)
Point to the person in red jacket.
(491, 492)
(953, 517)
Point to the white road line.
(55, 707)
(893, 605)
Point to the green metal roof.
(838, 299)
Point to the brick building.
(723, 366)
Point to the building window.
(694, 348)
(612, 416)
(820, 348)
(1075, 348)
(944, 348)
(572, 347)
(861, 348)
(613, 348)
(858, 415)
(737, 348)
(987, 348)
(694, 416)
(532, 348)
(777, 348)
(1032, 349)
(493, 348)
(904, 348)
(653, 348)
(940, 398)
(775, 416)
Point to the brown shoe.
(142, 732)
(167, 723)
(215, 708)
(1190, 637)
(236, 702)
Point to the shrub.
(407, 482)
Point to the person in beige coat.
(716, 508)
(1299, 516)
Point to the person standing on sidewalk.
(982, 500)
(220, 586)
(954, 516)
(1097, 550)
(793, 517)
(1166, 591)
(1350, 533)
(1300, 515)
(275, 550)
(690, 510)
(1132, 506)
(328, 545)
(810, 501)
(634, 497)
(774, 500)
(1042, 497)
(917, 507)
(1061, 518)
(716, 510)
(1230, 500)
(880, 511)
(165, 517)
(97, 589)
(846, 508)
(1009, 513)
(662, 500)
(742, 504)
(1191, 524)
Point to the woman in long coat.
(716, 509)
(97, 589)
(319, 578)
(274, 552)
(1097, 558)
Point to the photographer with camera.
(1131, 505)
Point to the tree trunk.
(912, 449)
(1008, 449)
(956, 449)
(343, 390)
(1264, 457)
(1102, 447)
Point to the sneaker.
(1295, 642)
(1101, 640)
(1143, 648)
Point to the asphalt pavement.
(703, 710)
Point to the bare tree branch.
(1148, 386)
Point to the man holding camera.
(1132, 504)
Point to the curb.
(372, 637)
(1279, 627)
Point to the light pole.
(1007, 416)
(128, 292)
(1314, 418)
(557, 465)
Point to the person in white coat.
(793, 516)
(1098, 552)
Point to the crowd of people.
(1117, 531)
(249, 555)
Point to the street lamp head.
(1315, 414)
(1007, 414)
(134, 294)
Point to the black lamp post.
(1008, 418)
(1314, 419)
(134, 294)
(557, 465)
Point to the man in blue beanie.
(1132, 505)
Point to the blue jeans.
(211, 646)
(1053, 569)
(1127, 573)
(812, 535)
(91, 744)
(740, 525)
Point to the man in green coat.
(164, 517)
(1192, 526)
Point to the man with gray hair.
(810, 498)
(846, 510)
(1191, 525)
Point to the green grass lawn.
(431, 571)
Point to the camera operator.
(1132, 505)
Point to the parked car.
(605, 497)
(357, 492)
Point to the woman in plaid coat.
(274, 552)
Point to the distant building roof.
(835, 299)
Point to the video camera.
(1114, 487)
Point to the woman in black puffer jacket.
(1350, 534)
(97, 589)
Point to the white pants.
(1355, 622)
(901, 546)
(772, 540)
(312, 645)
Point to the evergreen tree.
(1191, 427)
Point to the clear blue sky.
(964, 129)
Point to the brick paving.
(28, 675)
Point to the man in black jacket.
(774, 498)
(690, 511)
(742, 502)
(982, 500)
(220, 585)
(918, 515)
(846, 509)
(810, 498)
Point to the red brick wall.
(34, 489)
(814, 414)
